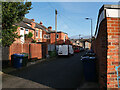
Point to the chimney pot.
(33, 20)
(49, 28)
(41, 23)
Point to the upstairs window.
(57, 36)
(26, 31)
(46, 36)
(36, 33)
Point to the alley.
(63, 72)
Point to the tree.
(12, 12)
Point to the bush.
(34, 41)
(29, 35)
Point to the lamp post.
(91, 27)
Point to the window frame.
(36, 33)
(58, 36)
(40, 34)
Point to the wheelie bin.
(16, 60)
(89, 69)
(25, 59)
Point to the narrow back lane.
(63, 72)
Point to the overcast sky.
(71, 15)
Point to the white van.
(65, 50)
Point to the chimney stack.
(50, 28)
(41, 23)
(33, 20)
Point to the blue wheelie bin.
(89, 69)
(17, 60)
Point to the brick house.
(40, 33)
(107, 45)
(22, 30)
(85, 43)
(29, 25)
(61, 37)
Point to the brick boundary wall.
(34, 50)
(99, 45)
(113, 60)
(107, 48)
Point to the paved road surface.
(63, 72)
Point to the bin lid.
(25, 54)
(19, 55)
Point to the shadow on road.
(60, 73)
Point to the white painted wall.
(112, 13)
(22, 33)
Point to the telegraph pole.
(55, 27)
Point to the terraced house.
(40, 33)
(29, 25)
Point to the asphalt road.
(63, 72)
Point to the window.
(64, 38)
(57, 36)
(40, 34)
(46, 36)
(26, 31)
(21, 28)
(36, 33)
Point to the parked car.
(65, 50)
(81, 49)
(90, 51)
(86, 48)
(76, 50)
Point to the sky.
(70, 18)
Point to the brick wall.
(60, 40)
(99, 46)
(34, 50)
(113, 30)
(107, 47)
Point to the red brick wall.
(99, 46)
(113, 30)
(15, 48)
(34, 49)
(52, 40)
(107, 47)
(60, 40)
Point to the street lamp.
(79, 37)
(91, 27)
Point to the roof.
(103, 8)
(81, 40)
(22, 24)
(53, 31)
(40, 27)
(43, 26)
(26, 20)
